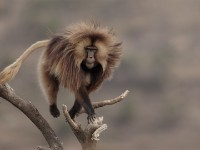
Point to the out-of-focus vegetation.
(160, 67)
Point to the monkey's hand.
(91, 118)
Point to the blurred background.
(160, 67)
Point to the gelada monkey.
(80, 59)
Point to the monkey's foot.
(54, 110)
(91, 118)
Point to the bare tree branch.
(87, 137)
(32, 113)
(107, 102)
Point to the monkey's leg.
(75, 109)
(50, 86)
(83, 98)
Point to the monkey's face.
(90, 60)
(91, 53)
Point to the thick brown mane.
(80, 59)
(65, 53)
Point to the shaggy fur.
(65, 62)
(66, 52)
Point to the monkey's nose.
(90, 59)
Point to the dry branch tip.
(70, 121)
(97, 132)
(123, 95)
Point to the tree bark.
(87, 137)
(33, 114)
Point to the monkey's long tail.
(10, 71)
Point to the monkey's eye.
(91, 48)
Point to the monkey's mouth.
(90, 61)
(90, 64)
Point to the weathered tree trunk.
(32, 113)
(87, 137)
(89, 146)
